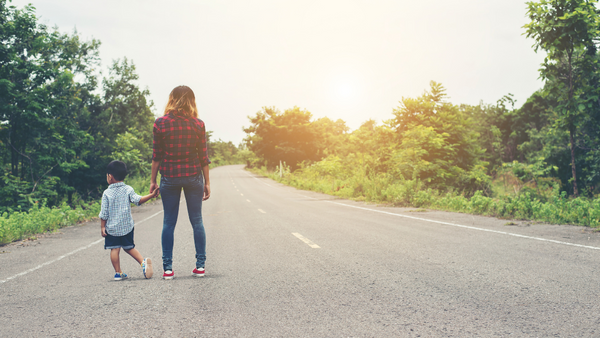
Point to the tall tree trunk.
(571, 124)
(573, 167)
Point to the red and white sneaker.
(168, 274)
(198, 272)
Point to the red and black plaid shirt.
(180, 145)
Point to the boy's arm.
(103, 227)
(148, 197)
(103, 214)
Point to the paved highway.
(288, 263)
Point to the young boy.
(115, 218)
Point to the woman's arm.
(206, 183)
(157, 155)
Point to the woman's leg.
(170, 194)
(194, 192)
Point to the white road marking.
(68, 254)
(472, 228)
(248, 200)
(306, 240)
(241, 194)
(262, 211)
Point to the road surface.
(283, 262)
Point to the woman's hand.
(206, 191)
(153, 186)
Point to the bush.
(525, 204)
(16, 225)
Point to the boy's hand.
(156, 192)
(103, 232)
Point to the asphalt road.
(288, 263)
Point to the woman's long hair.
(182, 100)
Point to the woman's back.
(180, 145)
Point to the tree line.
(61, 121)
(549, 145)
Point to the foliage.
(288, 136)
(59, 130)
(40, 105)
(525, 205)
(128, 148)
(226, 153)
(567, 31)
(457, 158)
(429, 140)
(20, 224)
(39, 218)
(438, 144)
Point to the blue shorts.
(115, 242)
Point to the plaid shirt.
(116, 208)
(180, 145)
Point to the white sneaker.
(147, 268)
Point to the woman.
(180, 153)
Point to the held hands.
(154, 190)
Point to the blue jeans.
(170, 192)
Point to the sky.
(344, 59)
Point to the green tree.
(288, 137)
(120, 120)
(40, 104)
(567, 31)
(221, 152)
(437, 143)
(331, 135)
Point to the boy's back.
(116, 208)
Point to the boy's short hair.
(117, 169)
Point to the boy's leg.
(114, 258)
(170, 194)
(135, 254)
(194, 192)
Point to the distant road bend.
(288, 263)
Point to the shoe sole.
(197, 274)
(149, 271)
(168, 277)
(118, 278)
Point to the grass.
(18, 225)
(21, 224)
(552, 207)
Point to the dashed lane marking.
(261, 211)
(306, 240)
(248, 200)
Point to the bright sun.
(345, 90)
